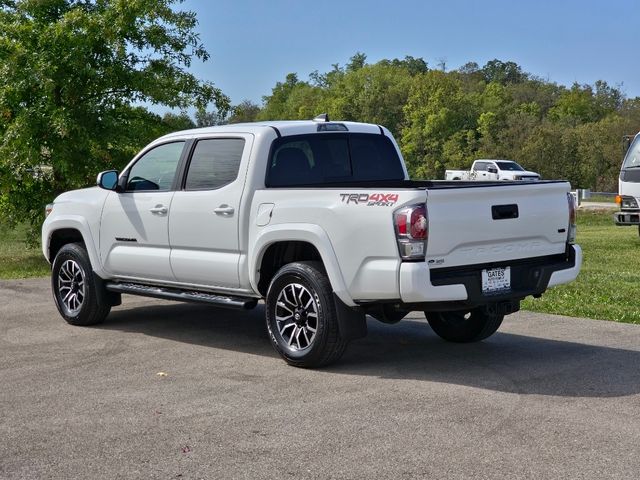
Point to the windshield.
(632, 159)
(512, 166)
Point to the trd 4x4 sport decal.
(371, 200)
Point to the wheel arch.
(282, 244)
(70, 230)
(61, 237)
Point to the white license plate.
(496, 280)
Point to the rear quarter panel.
(359, 232)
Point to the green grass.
(607, 287)
(16, 260)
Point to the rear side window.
(332, 157)
(215, 162)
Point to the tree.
(438, 120)
(245, 111)
(356, 62)
(362, 92)
(372, 93)
(70, 71)
(206, 118)
(503, 72)
(175, 122)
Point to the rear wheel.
(301, 316)
(80, 297)
(464, 326)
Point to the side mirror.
(108, 180)
(492, 170)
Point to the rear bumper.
(458, 288)
(627, 217)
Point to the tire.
(301, 316)
(464, 326)
(80, 297)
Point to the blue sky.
(253, 44)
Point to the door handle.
(224, 209)
(159, 209)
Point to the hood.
(84, 195)
(527, 173)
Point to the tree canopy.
(73, 77)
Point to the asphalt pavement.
(176, 391)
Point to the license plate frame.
(496, 280)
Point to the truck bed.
(424, 184)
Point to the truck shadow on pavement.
(409, 350)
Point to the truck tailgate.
(496, 223)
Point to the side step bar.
(166, 293)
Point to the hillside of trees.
(446, 119)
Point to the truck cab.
(628, 198)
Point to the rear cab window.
(314, 159)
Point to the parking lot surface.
(177, 391)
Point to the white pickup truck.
(491, 170)
(317, 218)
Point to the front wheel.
(464, 326)
(80, 297)
(301, 316)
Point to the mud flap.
(351, 322)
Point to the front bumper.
(461, 287)
(627, 217)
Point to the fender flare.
(301, 232)
(74, 222)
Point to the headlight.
(48, 209)
(628, 202)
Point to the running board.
(166, 293)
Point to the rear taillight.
(412, 227)
(571, 232)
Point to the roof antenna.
(323, 117)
